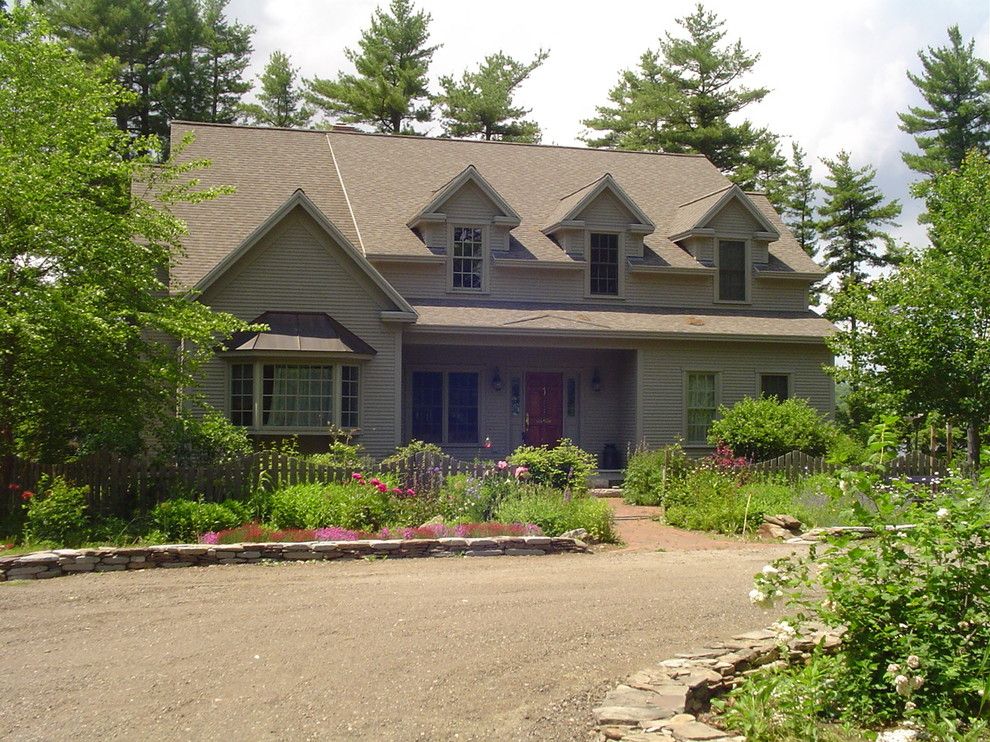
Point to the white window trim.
(759, 382)
(621, 264)
(446, 371)
(257, 389)
(486, 262)
(718, 401)
(747, 265)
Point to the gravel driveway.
(443, 649)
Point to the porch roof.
(620, 322)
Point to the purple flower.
(333, 533)
(210, 537)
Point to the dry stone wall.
(661, 703)
(59, 562)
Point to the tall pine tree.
(681, 97)
(133, 33)
(799, 204)
(853, 215)
(955, 84)
(389, 90)
(225, 55)
(280, 101)
(480, 103)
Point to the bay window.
(294, 395)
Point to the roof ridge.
(712, 193)
(424, 138)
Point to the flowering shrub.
(563, 466)
(358, 504)
(181, 520)
(57, 515)
(915, 603)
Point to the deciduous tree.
(480, 103)
(390, 87)
(88, 325)
(925, 339)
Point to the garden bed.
(61, 562)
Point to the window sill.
(734, 301)
(351, 432)
(603, 297)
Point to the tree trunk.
(948, 442)
(973, 446)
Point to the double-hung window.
(702, 406)
(468, 259)
(731, 270)
(775, 385)
(603, 264)
(445, 407)
(293, 395)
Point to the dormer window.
(467, 258)
(603, 264)
(732, 273)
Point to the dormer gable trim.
(299, 199)
(768, 232)
(432, 211)
(584, 196)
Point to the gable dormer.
(727, 231)
(467, 199)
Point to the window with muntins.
(731, 270)
(468, 258)
(294, 395)
(775, 385)
(242, 394)
(702, 405)
(445, 407)
(604, 264)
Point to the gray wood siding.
(416, 280)
(761, 251)
(734, 218)
(469, 204)
(662, 367)
(435, 235)
(606, 211)
(298, 268)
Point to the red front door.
(544, 409)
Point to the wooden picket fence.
(795, 465)
(119, 486)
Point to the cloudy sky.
(836, 69)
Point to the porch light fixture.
(497, 381)
(596, 381)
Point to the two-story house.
(466, 292)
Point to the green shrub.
(915, 604)
(403, 453)
(764, 428)
(183, 520)
(555, 515)
(211, 438)
(343, 455)
(564, 465)
(57, 514)
(651, 474)
(358, 507)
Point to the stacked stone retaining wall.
(60, 562)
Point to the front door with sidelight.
(544, 423)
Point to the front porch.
(486, 400)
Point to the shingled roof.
(370, 185)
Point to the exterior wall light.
(497, 381)
(596, 381)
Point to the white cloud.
(836, 69)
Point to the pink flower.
(210, 537)
(13, 486)
(27, 495)
(502, 465)
(357, 475)
(382, 487)
(521, 471)
(488, 442)
(376, 481)
(397, 490)
(411, 492)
